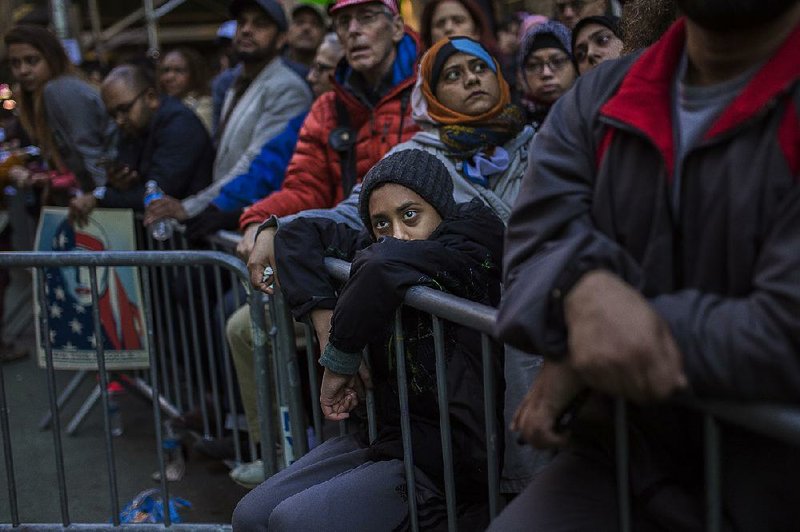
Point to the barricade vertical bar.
(173, 354)
(201, 384)
(226, 364)
(713, 473)
(405, 419)
(489, 409)
(444, 423)
(289, 386)
(235, 282)
(212, 363)
(167, 301)
(148, 316)
(263, 391)
(9, 459)
(187, 363)
(51, 392)
(101, 367)
(273, 375)
(161, 324)
(313, 376)
(288, 450)
(621, 451)
(372, 423)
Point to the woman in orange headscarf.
(462, 103)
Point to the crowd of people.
(623, 185)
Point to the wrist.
(587, 285)
(339, 361)
(270, 224)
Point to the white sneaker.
(248, 474)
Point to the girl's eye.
(381, 224)
(480, 66)
(408, 215)
(451, 75)
(603, 40)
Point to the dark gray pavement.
(206, 484)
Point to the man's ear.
(398, 29)
(280, 41)
(151, 98)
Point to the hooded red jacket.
(314, 176)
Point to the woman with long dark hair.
(62, 114)
(455, 18)
(182, 74)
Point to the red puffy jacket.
(314, 176)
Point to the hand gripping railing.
(775, 421)
(146, 260)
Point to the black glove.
(210, 221)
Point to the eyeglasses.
(576, 5)
(363, 18)
(554, 64)
(125, 108)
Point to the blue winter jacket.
(266, 172)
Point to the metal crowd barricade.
(778, 422)
(158, 378)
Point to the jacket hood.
(474, 229)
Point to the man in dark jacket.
(162, 140)
(653, 251)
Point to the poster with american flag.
(68, 294)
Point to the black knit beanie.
(415, 169)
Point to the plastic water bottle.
(114, 415)
(160, 229)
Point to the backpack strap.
(343, 140)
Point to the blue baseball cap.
(272, 8)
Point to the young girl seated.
(416, 235)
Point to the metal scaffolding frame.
(151, 11)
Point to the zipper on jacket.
(385, 131)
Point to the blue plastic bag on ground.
(148, 507)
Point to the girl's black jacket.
(462, 257)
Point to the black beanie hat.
(609, 21)
(415, 169)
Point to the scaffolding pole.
(151, 19)
(97, 28)
(58, 10)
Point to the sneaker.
(221, 449)
(174, 470)
(248, 474)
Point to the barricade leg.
(405, 420)
(7, 454)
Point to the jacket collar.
(643, 100)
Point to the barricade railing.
(282, 369)
(153, 383)
(776, 421)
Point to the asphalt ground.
(206, 485)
